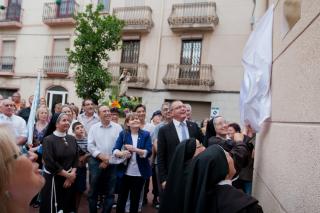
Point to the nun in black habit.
(240, 151)
(209, 189)
(173, 196)
(60, 156)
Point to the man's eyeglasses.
(8, 105)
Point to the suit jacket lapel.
(190, 129)
(174, 133)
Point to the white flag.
(32, 116)
(255, 94)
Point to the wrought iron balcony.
(56, 66)
(138, 73)
(137, 19)
(193, 16)
(60, 14)
(7, 65)
(10, 17)
(189, 77)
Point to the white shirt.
(102, 139)
(179, 128)
(88, 122)
(133, 169)
(17, 123)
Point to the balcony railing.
(193, 16)
(137, 19)
(189, 77)
(11, 16)
(56, 66)
(138, 73)
(7, 65)
(60, 14)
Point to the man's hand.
(103, 165)
(103, 157)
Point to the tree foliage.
(96, 34)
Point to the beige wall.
(287, 168)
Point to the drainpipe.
(159, 48)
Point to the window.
(130, 56)
(60, 46)
(13, 10)
(191, 58)
(130, 51)
(7, 56)
(106, 5)
(59, 59)
(66, 8)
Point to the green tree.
(96, 34)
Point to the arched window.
(55, 95)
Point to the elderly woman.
(137, 146)
(209, 189)
(20, 179)
(60, 156)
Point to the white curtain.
(255, 94)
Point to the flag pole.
(35, 102)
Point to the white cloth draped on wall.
(255, 94)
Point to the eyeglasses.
(8, 105)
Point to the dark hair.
(210, 131)
(75, 124)
(87, 99)
(114, 110)
(235, 126)
(138, 106)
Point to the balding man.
(18, 124)
(171, 134)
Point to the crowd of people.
(206, 168)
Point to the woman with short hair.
(137, 147)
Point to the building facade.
(179, 49)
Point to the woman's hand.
(67, 183)
(71, 176)
(130, 148)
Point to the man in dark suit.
(171, 134)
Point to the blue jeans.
(105, 178)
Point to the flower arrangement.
(124, 104)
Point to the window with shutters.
(190, 59)
(58, 61)
(130, 57)
(7, 55)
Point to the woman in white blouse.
(135, 144)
